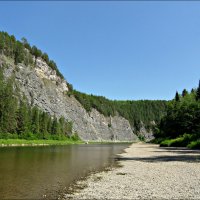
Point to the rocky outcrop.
(43, 88)
(145, 134)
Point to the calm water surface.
(31, 172)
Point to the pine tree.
(19, 53)
(45, 57)
(1, 43)
(35, 126)
(22, 118)
(177, 98)
(192, 90)
(9, 109)
(62, 125)
(198, 92)
(55, 127)
(184, 93)
(68, 128)
(43, 124)
(1, 98)
(49, 125)
(25, 43)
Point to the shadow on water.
(176, 154)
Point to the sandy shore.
(147, 172)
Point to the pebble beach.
(147, 172)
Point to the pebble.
(146, 174)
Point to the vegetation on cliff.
(19, 120)
(23, 52)
(181, 125)
(137, 112)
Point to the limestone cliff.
(43, 88)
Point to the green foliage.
(22, 118)
(184, 93)
(8, 136)
(198, 92)
(23, 142)
(45, 57)
(35, 121)
(70, 87)
(19, 120)
(183, 116)
(109, 125)
(141, 137)
(194, 144)
(8, 106)
(134, 111)
(19, 53)
(177, 98)
(182, 141)
(22, 52)
(39, 123)
(75, 137)
(36, 52)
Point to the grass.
(24, 142)
(186, 140)
(182, 141)
(109, 142)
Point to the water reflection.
(30, 172)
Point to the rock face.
(147, 135)
(43, 88)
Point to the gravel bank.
(148, 172)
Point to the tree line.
(136, 112)
(181, 125)
(23, 52)
(19, 120)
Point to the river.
(31, 172)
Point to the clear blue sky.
(121, 50)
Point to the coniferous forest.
(39, 124)
(138, 113)
(19, 120)
(181, 124)
(175, 122)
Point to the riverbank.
(23, 142)
(147, 172)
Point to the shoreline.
(40, 142)
(24, 142)
(147, 172)
(79, 184)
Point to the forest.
(181, 124)
(138, 113)
(23, 52)
(39, 124)
(19, 120)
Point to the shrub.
(75, 137)
(28, 136)
(8, 136)
(141, 137)
(165, 143)
(109, 125)
(178, 142)
(194, 145)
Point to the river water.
(31, 172)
